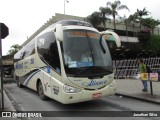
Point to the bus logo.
(32, 61)
(94, 83)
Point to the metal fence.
(128, 68)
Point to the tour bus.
(52, 64)
(110, 35)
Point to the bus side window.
(54, 56)
(49, 50)
(23, 54)
(33, 51)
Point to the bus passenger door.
(47, 84)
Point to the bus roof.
(74, 22)
(64, 23)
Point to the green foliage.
(143, 36)
(150, 23)
(14, 49)
(98, 18)
(114, 8)
(140, 14)
(154, 44)
(94, 19)
(143, 12)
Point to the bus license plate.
(97, 95)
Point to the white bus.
(69, 62)
(110, 35)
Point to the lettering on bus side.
(18, 66)
(32, 61)
(94, 83)
(55, 90)
(48, 69)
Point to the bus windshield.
(85, 54)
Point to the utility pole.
(3, 33)
(65, 7)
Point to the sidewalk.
(8, 106)
(133, 88)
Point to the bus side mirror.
(59, 32)
(115, 36)
(117, 39)
(102, 44)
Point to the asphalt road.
(25, 99)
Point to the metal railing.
(128, 68)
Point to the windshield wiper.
(93, 72)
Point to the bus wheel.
(41, 91)
(18, 82)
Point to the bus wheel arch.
(40, 90)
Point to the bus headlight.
(69, 89)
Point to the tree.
(94, 19)
(143, 36)
(124, 19)
(154, 44)
(97, 18)
(105, 12)
(140, 14)
(14, 49)
(114, 7)
(150, 23)
(133, 20)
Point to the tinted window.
(19, 55)
(85, 53)
(48, 51)
(26, 51)
(29, 49)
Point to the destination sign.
(82, 34)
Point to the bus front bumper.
(86, 95)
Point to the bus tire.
(18, 82)
(41, 91)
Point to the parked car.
(8, 72)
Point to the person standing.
(143, 69)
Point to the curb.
(8, 106)
(8, 103)
(137, 98)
